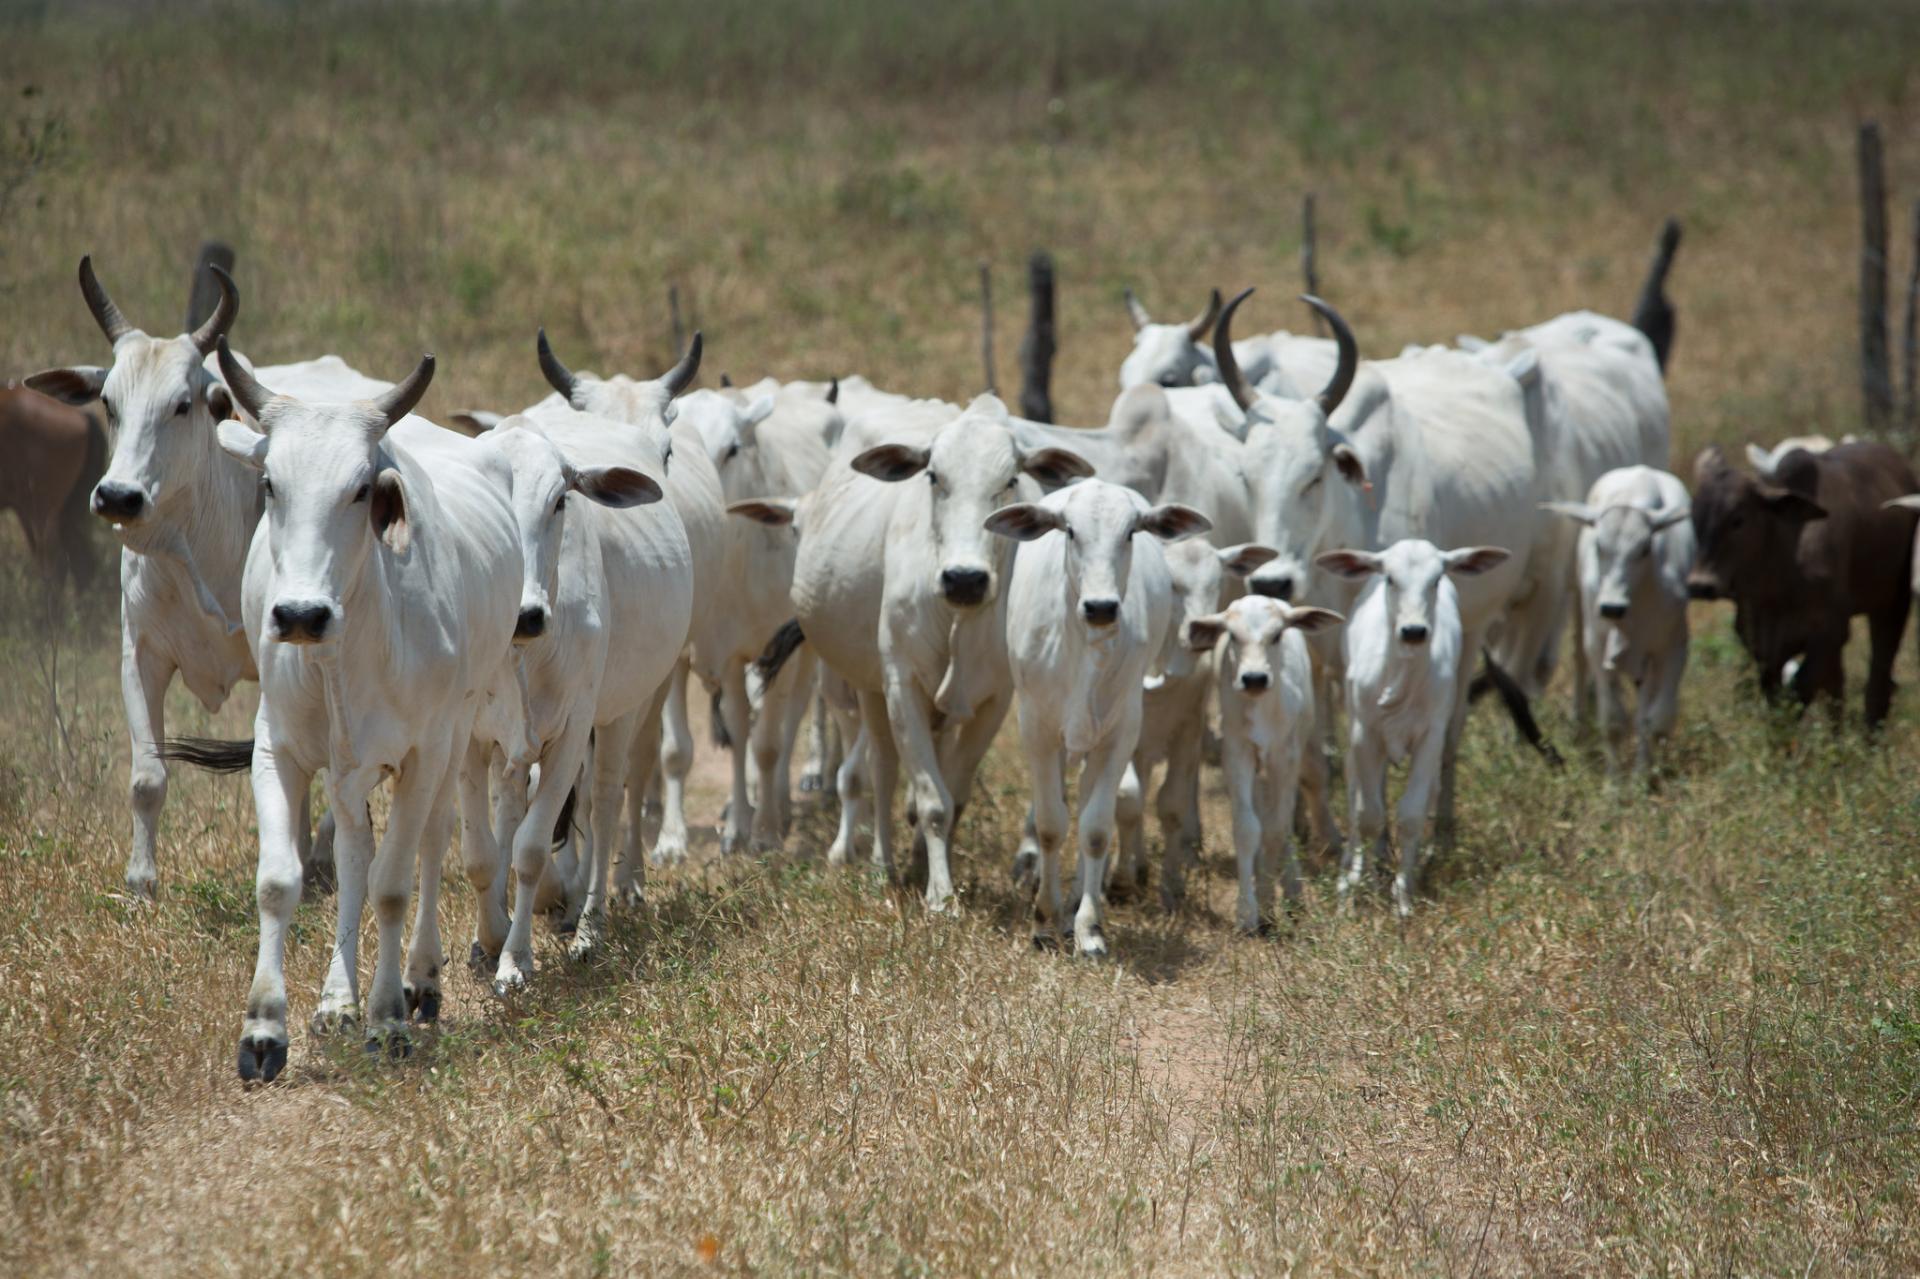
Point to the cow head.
(331, 490)
(1302, 473)
(1411, 573)
(1198, 570)
(1620, 539)
(1744, 527)
(970, 468)
(544, 481)
(638, 402)
(162, 406)
(730, 431)
(1169, 354)
(1099, 521)
(1254, 626)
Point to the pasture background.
(1675, 1033)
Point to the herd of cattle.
(502, 621)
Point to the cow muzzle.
(302, 621)
(1614, 610)
(1413, 633)
(532, 623)
(119, 503)
(1277, 587)
(1702, 587)
(1255, 682)
(965, 587)
(1101, 612)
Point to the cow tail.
(209, 753)
(1514, 698)
(1653, 314)
(563, 824)
(717, 722)
(785, 643)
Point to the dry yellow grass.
(1629, 1034)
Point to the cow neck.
(207, 537)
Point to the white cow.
(379, 595)
(1406, 643)
(1265, 675)
(897, 588)
(1088, 608)
(605, 599)
(1173, 717)
(184, 513)
(1434, 445)
(1636, 549)
(1174, 356)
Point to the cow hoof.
(630, 897)
(330, 1021)
(1046, 939)
(262, 1057)
(480, 963)
(516, 971)
(583, 947)
(812, 783)
(423, 1003)
(1026, 868)
(1092, 947)
(667, 853)
(390, 1041)
(143, 888)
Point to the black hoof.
(393, 1046)
(423, 1006)
(262, 1060)
(565, 927)
(1046, 941)
(480, 963)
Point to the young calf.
(1403, 654)
(1266, 729)
(1636, 548)
(1087, 611)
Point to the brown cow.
(54, 454)
(1802, 554)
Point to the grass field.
(1666, 1033)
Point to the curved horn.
(246, 388)
(1342, 381)
(221, 320)
(1199, 327)
(1139, 313)
(833, 392)
(680, 376)
(559, 376)
(399, 402)
(105, 313)
(1230, 375)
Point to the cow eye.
(1312, 484)
(732, 451)
(112, 415)
(266, 486)
(361, 496)
(180, 409)
(560, 505)
(933, 479)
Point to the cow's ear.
(1201, 633)
(1055, 468)
(390, 511)
(1670, 516)
(1471, 561)
(1708, 462)
(774, 512)
(1911, 502)
(1351, 468)
(79, 385)
(1579, 512)
(1172, 522)
(1243, 559)
(1791, 505)
(617, 486)
(242, 442)
(757, 412)
(1524, 368)
(1352, 565)
(891, 462)
(474, 421)
(1023, 521)
(1312, 619)
(1469, 343)
(219, 401)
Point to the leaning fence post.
(986, 327)
(1037, 348)
(1876, 382)
(1309, 267)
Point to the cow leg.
(823, 757)
(425, 957)
(1130, 814)
(144, 676)
(1242, 781)
(390, 881)
(1281, 794)
(532, 838)
(1822, 674)
(1367, 799)
(480, 856)
(609, 775)
(884, 769)
(676, 760)
(277, 788)
(927, 787)
(1471, 643)
(1660, 711)
(1884, 629)
(643, 765)
(848, 781)
(1099, 796)
(1613, 719)
(735, 710)
(786, 705)
(339, 1006)
(1585, 671)
(1316, 784)
(1047, 818)
(1416, 801)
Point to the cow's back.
(1862, 549)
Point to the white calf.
(1087, 613)
(1636, 549)
(1403, 655)
(1266, 729)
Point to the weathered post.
(1037, 348)
(1309, 267)
(986, 327)
(1876, 382)
(203, 294)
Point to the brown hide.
(53, 457)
